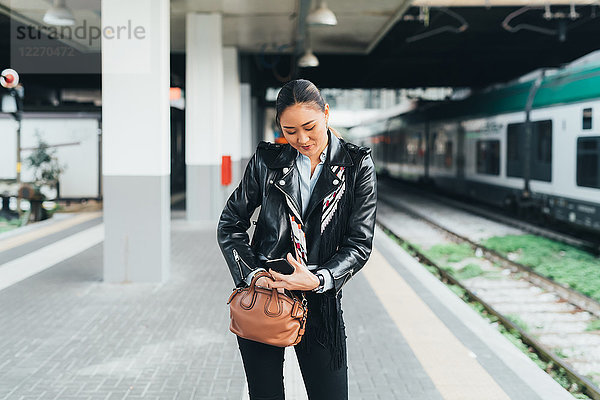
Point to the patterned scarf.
(330, 203)
(328, 330)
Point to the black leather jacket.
(343, 246)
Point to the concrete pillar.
(203, 116)
(136, 140)
(232, 113)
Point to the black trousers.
(263, 365)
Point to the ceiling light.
(308, 59)
(59, 14)
(321, 15)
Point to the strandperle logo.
(90, 33)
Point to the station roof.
(379, 43)
(382, 43)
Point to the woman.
(329, 187)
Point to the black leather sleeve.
(235, 220)
(355, 249)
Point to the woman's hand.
(300, 279)
(267, 283)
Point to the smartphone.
(280, 265)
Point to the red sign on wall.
(226, 170)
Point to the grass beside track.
(560, 262)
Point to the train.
(531, 145)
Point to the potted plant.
(46, 172)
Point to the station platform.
(68, 335)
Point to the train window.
(488, 157)
(401, 148)
(541, 163)
(587, 118)
(442, 151)
(541, 150)
(514, 144)
(543, 138)
(412, 148)
(588, 162)
(448, 155)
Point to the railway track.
(592, 246)
(554, 302)
(580, 300)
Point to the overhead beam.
(301, 29)
(388, 25)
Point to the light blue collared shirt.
(307, 182)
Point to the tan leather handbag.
(267, 316)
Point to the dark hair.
(299, 91)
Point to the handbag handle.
(273, 299)
(260, 275)
(249, 297)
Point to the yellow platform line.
(24, 238)
(451, 366)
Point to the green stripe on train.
(567, 86)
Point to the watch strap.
(321, 282)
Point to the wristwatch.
(321, 283)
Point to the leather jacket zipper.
(237, 258)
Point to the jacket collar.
(336, 154)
